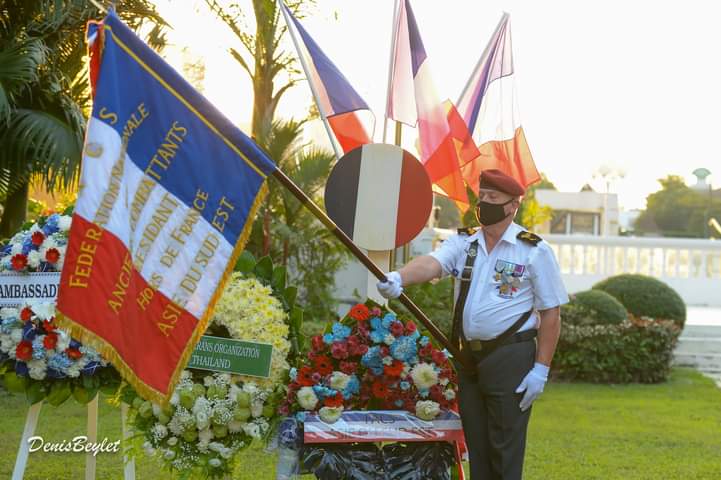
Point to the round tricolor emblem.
(379, 195)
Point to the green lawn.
(578, 431)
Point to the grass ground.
(578, 431)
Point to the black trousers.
(493, 424)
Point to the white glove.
(533, 384)
(391, 288)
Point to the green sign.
(232, 356)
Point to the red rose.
(363, 330)
(362, 349)
(394, 369)
(436, 393)
(380, 389)
(317, 342)
(385, 351)
(323, 365)
(52, 255)
(376, 312)
(410, 328)
(438, 357)
(355, 345)
(48, 326)
(305, 376)
(359, 312)
(50, 340)
(348, 367)
(73, 353)
(24, 351)
(19, 261)
(339, 350)
(26, 314)
(37, 238)
(334, 401)
(426, 350)
(396, 329)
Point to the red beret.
(497, 180)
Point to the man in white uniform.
(510, 292)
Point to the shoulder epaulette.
(468, 231)
(529, 237)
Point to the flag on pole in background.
(337, 100)
(169, 188)
(445, 143)
(489, 107)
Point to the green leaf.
(15, 383)
(264, 269)
(59, 392)
(278, 282)
(246, 262)
(296, 319)
(290, 294)
(83, 395)
(35, 392)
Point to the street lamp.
(701, 175)
(608, 174)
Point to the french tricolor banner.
(383, 426)
(169, 188)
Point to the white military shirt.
(514, 278)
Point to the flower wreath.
(369, 360)
(213, 416)
(36, 357)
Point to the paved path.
(700, 342)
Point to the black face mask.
(491, 213)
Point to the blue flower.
(21, 369)
(403, 348)
(415, 335)
(293, 373)
(328, 338)
(405, 385)
(90, 368)
(300, 416)
(388, 319)
(376, 323)
(51, 224)
(424, 341)
(352, 388)
(398, 403)
(9, 324)
(340, 331)
(28, 245)
(29, 331)
(60, 362)
(75, 344)
(38, 348)
(372, 359)
(423, 393)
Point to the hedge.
(633, 351)
(593, 307)
(645, 296)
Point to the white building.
(585, 212)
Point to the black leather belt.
(480, 345)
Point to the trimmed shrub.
(645, 297)
(593, 307)
(633, 351)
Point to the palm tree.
(44, 93)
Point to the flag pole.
(394, 34)
(304, 64)
(370, 265)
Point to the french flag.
(490, 109)
(338, 101)
(445, 143)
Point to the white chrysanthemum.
(252, 429)
(427, 409)
(307, 398)
(159, 431)
(424, 376)
(9, 312)
(16, 248)
(449, 394)
(16, 335)
(37, 369)
(339, 380)
(34, 259)
(64, 222)
(63, 341)
(43, 310)
(330, 414)
(250, 312)
(205, 435)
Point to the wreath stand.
(31, 422)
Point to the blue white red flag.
(445, 143)
(348, 114)
(169, 188)
(489, 106)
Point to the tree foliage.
(678, 210)
(44, 92)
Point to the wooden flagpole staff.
(371, 266)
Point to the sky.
(630, 87)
